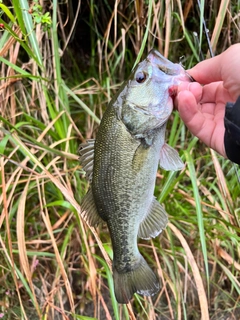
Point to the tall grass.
(56, 80)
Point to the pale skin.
(201, 104)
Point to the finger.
(210, 91)
(215, 93)
(208, 128)
(194, 87)
(223, 67)
(207, 71)
(189, 111)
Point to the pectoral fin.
(86, 152)
(91, 214)
(169, 159)
(154, 222)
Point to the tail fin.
(141, 280)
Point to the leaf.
(196, 273)
(7, 12)
(22, 245)
(192, 174)
(31, 35)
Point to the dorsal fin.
(86, 152)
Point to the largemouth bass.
(121, 165)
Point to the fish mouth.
(162, 63)
(165, 65)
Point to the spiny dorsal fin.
(86, 152)
(91, 214)
(154, 222)
(169, 159)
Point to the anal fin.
(91, 214)
(154, 222)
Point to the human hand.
(202, 108)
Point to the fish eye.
(141, 77)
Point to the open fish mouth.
(163, 63)
(166, 66)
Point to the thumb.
(189, 112)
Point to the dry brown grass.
(52, 264)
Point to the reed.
(60, 65)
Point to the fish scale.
(129, 146)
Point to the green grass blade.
(84, 317)
(23, 8)
(7, 12)
(146, 34)
(15, 36)
(111, 287)
(33, 140)
(202, 4)
(81, 103)
(199, 212)
(21, 72)
(18, 11)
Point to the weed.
(60, 65)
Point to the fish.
(121, 165)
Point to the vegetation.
(61, 62)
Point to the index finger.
(207, 71)
(224, 67)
